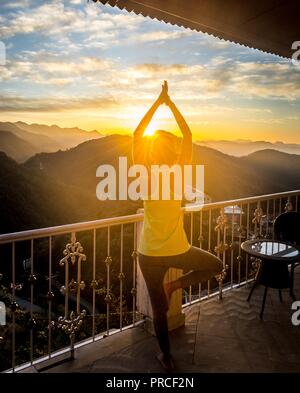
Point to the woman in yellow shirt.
(163, 242)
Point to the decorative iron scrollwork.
(32, 278)
(200, 238)
(134, 255)
(255, 266)
(94, 284)
(1, 338)
(221, 277)
(288, 206)
(242, 231)
(221, 221)
(32, 323)
(16, 287)
(257, 221)
(222, 247)
(133, 291)
(14, 306)
(50, 296)
(63, 290)
(73, 252)
(239, 259)
(258, 214)
(108, 260)
(108, 298)
(70, 326)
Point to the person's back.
(163, 232)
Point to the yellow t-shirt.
(163, 233)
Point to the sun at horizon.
(152, 128)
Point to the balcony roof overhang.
(269, 25)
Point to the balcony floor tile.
(225, 336)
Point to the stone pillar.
(176, 317)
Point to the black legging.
(198, 266)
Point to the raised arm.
(138, 148)
(148, 116)
(187, 145)
(141, 128)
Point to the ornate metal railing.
(221, 227)
(74, 284)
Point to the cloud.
(218, 78)
(51, 17)
(61, 62)
(16, 4)
(153, 36)
(149, 69)
(189, 81)
(82, 66)
(10, 103)
(47, 68)
(267, 80)
(56, 19)
(101, 63)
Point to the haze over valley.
(58, 187)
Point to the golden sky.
(73, 63)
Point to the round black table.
(275, 256)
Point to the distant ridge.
(60, 187)
(37, 138)
(15, 147)
(243, 147)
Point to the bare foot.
(166, 362)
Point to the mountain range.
(243, 147)
(60, 187)
(21, 140)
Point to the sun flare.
(152, 127)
